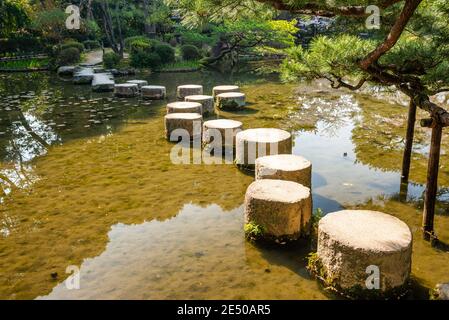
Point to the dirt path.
(94, 57)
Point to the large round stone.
(280, 209)
(189, 90)
(285, 167)
(254, 143)
(184, 107)
(154, 92)
(140, 83)
(352, 244)
(221, 133)
(230, 101)
(190, 122)
(206, 101)
(224, 89)
(126, 90)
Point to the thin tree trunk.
(432, 182)
(119, 27)
(406, 160)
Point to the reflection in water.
(199, 254)
(109, 199)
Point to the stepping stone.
(285, 167)
(206, 101)
(226, 129)
(126, 90)
(230, 101)
(83, 76)
(66, 70)
(254, 143)
(191, 122)
(140, 83)
(352, 241)
(224, 89)
(154, 92)
(103, 82)
(280, 209)
(184, 107)
(188, 90)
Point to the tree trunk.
(408, 151)
(432, 182)
(119, 26)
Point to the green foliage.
(144, 59)
(22, 43)
(24, 64)
(14, 15)
(317, 215)
(91, 44)
(68, 56)
(73, 44)
(190, 52)
(253, 231)
(196, 38)
(180, 66)
(51, 23)
(137, 43)
(165, 52)
(111, 60)
(327, 57)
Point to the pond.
(87, 181)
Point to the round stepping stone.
(226, 129)
(230, 101)
(154, 92)
(206, 101)
(189, 90)
(351, 242)
(184, 107)
(126, 90)
(280, 209)
(285, 167)
(140, 83)
(254, 143)
(224, 89)
(191, 122)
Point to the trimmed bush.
(190, 52)
(165, 52)
(142, 59)
(138, 43)
(68, 56)
(73, 44)
(111, 60)
(91, 44)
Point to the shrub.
(142, 59)
(138, 43)
(111, 60)
(165, 52)
(91, 44)
(68, 56)
(73, 44)
(190, 52)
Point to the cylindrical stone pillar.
(277, 210)
(285, 167)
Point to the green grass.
(24, 64)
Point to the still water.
(87, 181)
